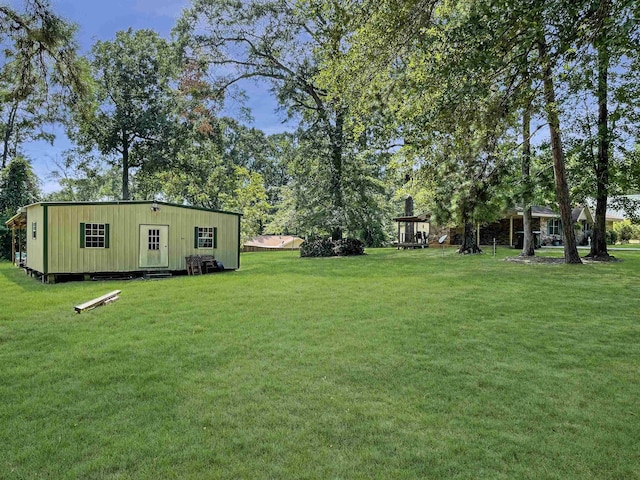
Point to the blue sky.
(100, 20)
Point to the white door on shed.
(154, 246)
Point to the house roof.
(581, 213)
(425, 217)
(536, 211)
(578, 213)
(274, 241)
(618, 213)
(542, 211)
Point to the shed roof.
(133, 202)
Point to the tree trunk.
(5, 147)
(408, 212)
(562, 188)
(469, 243)
(527, 219)
(125, 166)
(598, 240)
(9, 130)
(336, 176)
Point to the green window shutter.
(215, 237)
(82, 235)
(195, 237)
(106, 235)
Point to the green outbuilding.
(136, 237)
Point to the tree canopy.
(39, 72)
(470, 107)
(131, 115)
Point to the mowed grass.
(398, 364)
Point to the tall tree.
(553, 120)
(135, 110)
(527, 217)
(614, 36)
(39, 72)
(18, 186)
(478, 49)
(278, 41)
(84, 177)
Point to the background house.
(272, 242)
(67, 238)
(508, 230)
(546, 225)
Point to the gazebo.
(413, 231)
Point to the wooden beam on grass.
(96, 302)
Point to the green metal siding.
(238, 260)
(35, 246)
(124, 219)
(45, 239)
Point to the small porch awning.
(18, 221)
(16, 224)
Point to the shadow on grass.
(17, 277)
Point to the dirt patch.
(548, 260)
(556, 260)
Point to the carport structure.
(18, 226)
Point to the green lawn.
(398, 364)
(625, 245)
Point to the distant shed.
(65, 238)
(272, 242)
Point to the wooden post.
(20, 244)
(478, 234)
(13, 245)
(511, 231)
(398, 235)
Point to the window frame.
(554, 226)
(205, 237)
(153, 239)
(94, 235)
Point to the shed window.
(205, 237)
(554, 226)
(94, 235)
(154, 239)
(34, 230)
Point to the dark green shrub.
(317, 248)
(5, 239)
(625, 232)
(330, 248)
(348, 246)
(611, 237)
